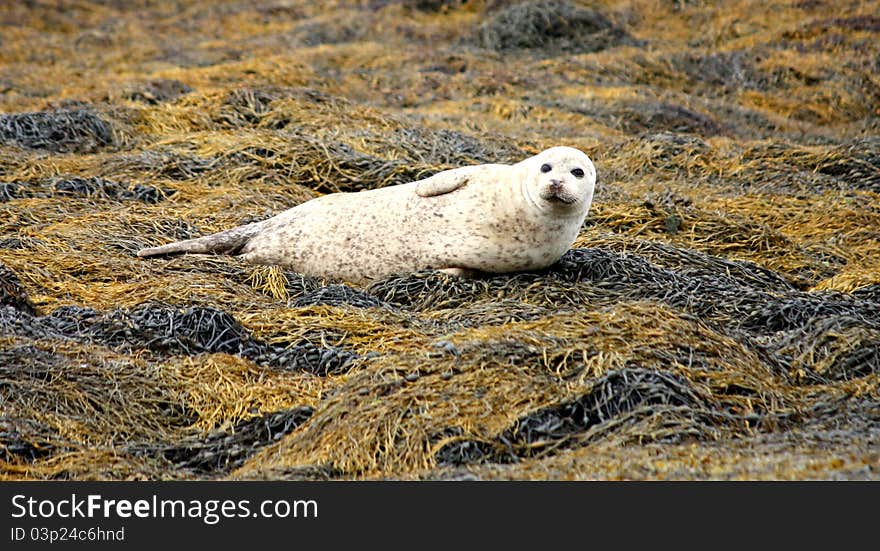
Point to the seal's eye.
(578, 173)
(546, 168)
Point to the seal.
(491, 218)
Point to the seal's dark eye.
(546, 168)
(578, 173)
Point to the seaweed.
(93, 187)
(550, 26)
(796, 310)
(12, 294)
(27, 439)
(223, 451)
(59, 131)
(856, 163)
(157, 91)
(337, 295)
(164, 329)
(617, 398)
(828, 348)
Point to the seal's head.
(559, 180)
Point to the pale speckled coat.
(487, 218)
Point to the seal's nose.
(555, 185)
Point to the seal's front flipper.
(465, 273)
(441, 183)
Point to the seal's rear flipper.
(229, 242)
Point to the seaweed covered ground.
(718, 316)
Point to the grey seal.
(490, 218)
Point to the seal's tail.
(228, 242)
